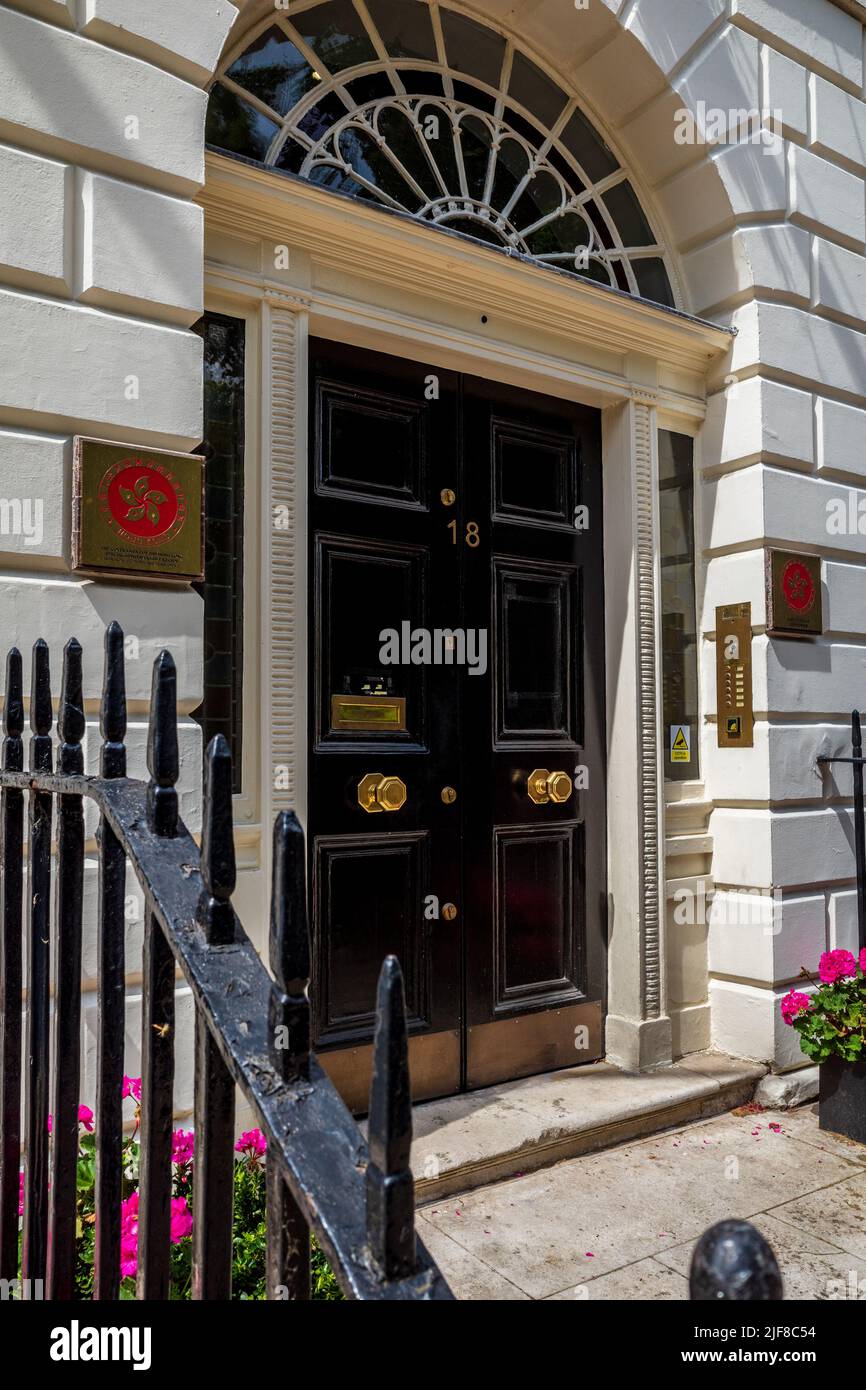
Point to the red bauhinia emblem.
(142, 501)
(798, 586)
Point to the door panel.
(381, 454)
(369, 888)
(535, 883)
(453, 509)
(536, 670)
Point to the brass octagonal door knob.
(544, 786)
(376, 792)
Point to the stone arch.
(691, 192)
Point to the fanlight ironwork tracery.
(413, 106)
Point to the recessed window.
(679, 625)
(221, 710)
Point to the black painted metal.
(732, 1262)
(289, 1008)
(857, 762)
(110, 983)
(213, 1192)
(67, 1002)
(11, 892)
(35, 1234)
(390, 1185)
(157, 1108)
(252, 1030)
(288, 1265)
(163, 761)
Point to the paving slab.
(811, 1267)
(468, 1276)
(646, 1279)
(837, 1214)
(470, 1140)
(802, 1124)
(624, 1215)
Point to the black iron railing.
(252, 1028)
(857, 763)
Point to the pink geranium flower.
(181, 1226)
(181, 1219)
(129, 1236)
(836, 965)
(131, 1087)
(182, 1144)
(793, 1004)
(85, 1117)
(253, 1143)
(863, 960)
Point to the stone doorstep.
(469, 1140)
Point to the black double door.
(456, 775)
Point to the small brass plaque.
(137, 512)
(734, 675)
(794, 597)
(360, 712)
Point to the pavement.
(622, 1223)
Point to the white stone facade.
(102, 275)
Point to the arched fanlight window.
(412, 105)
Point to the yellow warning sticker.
(681, 749)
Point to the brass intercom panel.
(734, 675)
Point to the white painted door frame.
(317, 264)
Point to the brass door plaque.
(137, 512)
(794, 598)
(734, 675)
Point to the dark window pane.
(327, 176)
(471, 226)
(334, 31)
(422, 84)
(370, 88)
(536, 91)
(369, 161)
(291, 157)
(235, 126)
(473, 48)
(475, 142)
(515, 121)
(543, 195)
(627, 214)
(679, 625)
(274, 71)
(319, 119)
(588, 148)
(404, 28)
(566, 234)
(221, 710)
(652, 281)
(402, 140)
(512, 163)
(473, 96)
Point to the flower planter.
(842, 1098)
